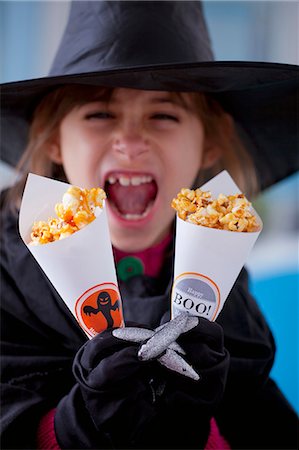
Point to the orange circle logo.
(99, 308)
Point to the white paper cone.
(207, 260)
(81, 266)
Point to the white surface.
(74, 264)
(216, 255)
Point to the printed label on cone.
(99, 308)
(196, 294)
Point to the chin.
(132, 244)
(137, 240)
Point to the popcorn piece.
(230, 212)
(79, 207)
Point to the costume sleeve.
(35, 368)
(254, 413)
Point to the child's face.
(142, 148)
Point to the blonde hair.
(218, 126)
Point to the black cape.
(40, 338)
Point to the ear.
(211, 155)
(212, 150)
(54, 153)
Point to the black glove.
(122, 402)
(186, 399)
(186, 406)
(204, 347)
(112, 401)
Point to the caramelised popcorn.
(79, 207)
(230, 212)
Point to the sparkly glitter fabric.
(161, 343)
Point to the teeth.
(133, 181)
(138, 216)
(136, 181)
(132, 216)
(112, 180)
(124, 181)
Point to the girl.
(141, 130)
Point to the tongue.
(131, 199)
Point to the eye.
(101, 115)
(163, 116)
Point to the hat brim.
(262, 98)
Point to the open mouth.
(131, 196)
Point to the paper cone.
(81, 266)
(208, 260)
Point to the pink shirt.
(151, 258)
(46, 438)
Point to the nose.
(130, 140)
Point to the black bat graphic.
(104, 306)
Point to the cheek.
(80, 152)
(185, 163)
(76, 169)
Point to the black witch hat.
(164, 45)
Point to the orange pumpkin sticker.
(99, 308)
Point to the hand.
(205, 352)
(112, 401)
(191, 404)
(161, 343)
(202, 342)
(122, 401)
(186, 403)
